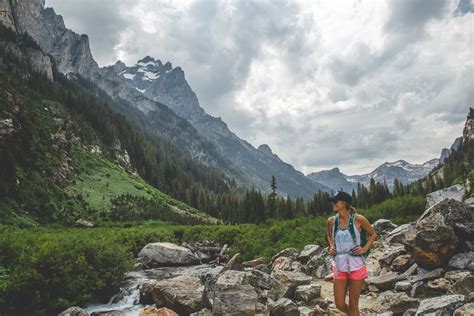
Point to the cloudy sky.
(324, 83)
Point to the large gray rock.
(455, 275)
(308, 292)
(402, 286)
(383, 225)
(386, 260)
(464, 285)
(403, 234)
(291, 280)
(438, 233)
(282, 263)
(455, 192)
(401, 263)
(385, 281)
(461, 260)
(74, 311)
(308, 252)
(162, 254)
(319, 265)
(430, 275)
(234, 294)
(283, 307)
(466, 309)
(183, 294)
(291, 253)
(402, 303)
(440, 305)
(235, 300)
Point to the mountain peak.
(265, 149)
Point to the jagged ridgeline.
(64, 154)
(457, 168)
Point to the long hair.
(351, 208)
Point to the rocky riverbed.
(419, 268)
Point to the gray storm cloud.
(379, 77)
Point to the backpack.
(363, 233)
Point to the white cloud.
(324, 83)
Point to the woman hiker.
(348, 264)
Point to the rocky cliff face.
(70, 50)
(468, 131)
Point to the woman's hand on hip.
(332, 251)
(358, 250)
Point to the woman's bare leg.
(355, 287)
(339, 289)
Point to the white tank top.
(344, 243)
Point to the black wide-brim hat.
(341, 196)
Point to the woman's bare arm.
(365, 224)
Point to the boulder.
(455, 192)
(291, 253)
(464, 310)
(402, 286)
(461, 260)
(306, 311)
(432, 248)
(233, 294)
(183, 294)
(464, 285)
(283, 307)
(84, 223)
(308, 292)
(417, 289)
(264, 281)
(153, 311)
(412, 269)
(403, 234)
(393, 252)
(439, 230)
(436, 287)
(401, 263)
(234, 263)
(162, 254)
(319, 265)
(231, 277)
(282, 263)
(385, 300)
(385, 281)
(308, 252)
(291, 280)
(402, 303)
(440, 305)
(382, 225)
(234, 299)
(74, 311)
(455, 275)
(430, 275)
(255, 262)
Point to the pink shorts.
(358, 274)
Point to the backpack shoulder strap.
(352, 227)
(335, 225)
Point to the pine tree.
(271, 202)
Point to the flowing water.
(127, 300)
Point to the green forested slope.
(66, 155)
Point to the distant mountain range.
(157, 97)
(402, 170)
